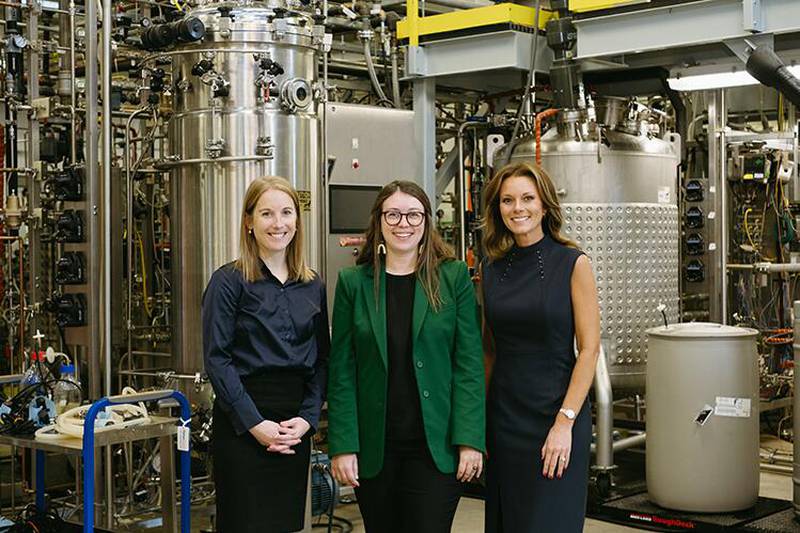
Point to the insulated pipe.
(604, 403)
(765, 66)
(372, 74)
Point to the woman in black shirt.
(266, 343)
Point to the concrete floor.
(469, 517)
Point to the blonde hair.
(433, 250)
(497, 239)
(249, 261)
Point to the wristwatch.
(569, 413)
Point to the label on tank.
(305, 200)
(733, 407)
(663, 195)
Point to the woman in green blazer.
(406, 400)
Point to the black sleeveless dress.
(528, 308)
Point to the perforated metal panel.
(633, 248)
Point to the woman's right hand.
(345, 469)
(269, 434)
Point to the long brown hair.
(249, 261)
(433, 250)
(497, 239)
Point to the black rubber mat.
(637, 511)
(783, 522)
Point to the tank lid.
(700, 329)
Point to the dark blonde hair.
(497, 239)
(433, 250)
(249, 262)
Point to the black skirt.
(260, 491)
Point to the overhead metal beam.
(477, 53)
(681, 25)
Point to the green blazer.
(448, 358)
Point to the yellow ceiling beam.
(472, 18)
(581, 6)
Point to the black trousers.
(260, 491)
(409, 495)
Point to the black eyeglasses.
(414, 218)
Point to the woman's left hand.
(556, 450)
(470, 464)
(293, 428)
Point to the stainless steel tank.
(245, 105)
(702, 417)
(619, 201)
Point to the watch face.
(569, 413)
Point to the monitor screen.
(350, 206)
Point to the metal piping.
(778, 469)
(323, 152)
(129, 232)
(626, 443)
(723, 191)
(90, 23)
(73, 95)
(107, 156)
(604, 404)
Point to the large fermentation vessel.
(245, 105)
(618, 197)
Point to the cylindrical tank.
(245, 105)
(702, 417)
(619, 203)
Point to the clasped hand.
(280, 438)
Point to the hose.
(372, 74)
(538, 129)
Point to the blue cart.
(162, 428)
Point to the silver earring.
(251, 231)
(381, 249)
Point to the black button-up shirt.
(252, 327)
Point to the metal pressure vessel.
(702, 417)
(245, 105)
(617, 188)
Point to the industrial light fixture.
(718, 80)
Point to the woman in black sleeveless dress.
(539, 296)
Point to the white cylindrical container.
(702, 417)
